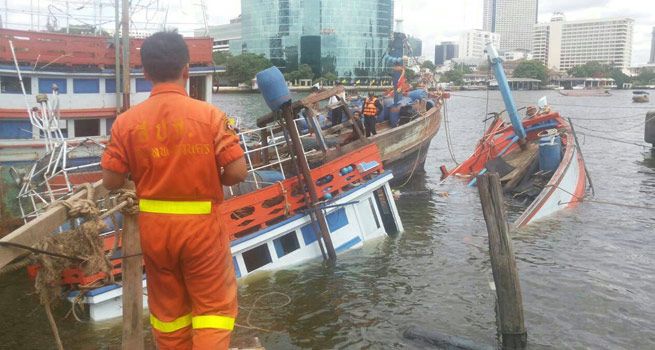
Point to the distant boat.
(585, 92)
(640, 96)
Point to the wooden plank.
(35, 230)
(132, 271)
(503, 263)
(309, 100)
(521, 166)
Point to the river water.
(587, 274)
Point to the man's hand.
(112, 180)
(234, 172)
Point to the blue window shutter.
(86, 86)
(143, 85)
(45, 85)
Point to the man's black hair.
(163, 56)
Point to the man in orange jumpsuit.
(179, 152)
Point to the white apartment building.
(513, 20)
(472, 43)
(561, 44)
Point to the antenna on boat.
(503, 86)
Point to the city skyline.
(429, 20)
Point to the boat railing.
(268, 140)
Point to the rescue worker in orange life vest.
(371, 108)
(179, 152)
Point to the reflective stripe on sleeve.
(213, 321)
(169, 327)
(175, 207)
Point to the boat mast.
(126, 54)
(117, 54)
(503, 86)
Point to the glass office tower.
(344, 37)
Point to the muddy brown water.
(587, 274)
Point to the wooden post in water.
(132, 285)
(503, 264)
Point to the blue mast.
(503, 86)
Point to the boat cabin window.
(15, 129)
(11, 85)
(385, 211)
(87, 127)
(110, 86)
(143, 85)
(286, 244)
(256, 257)
(86, 86)
(45, 85)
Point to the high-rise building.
(416, 46)
(224, 35)
(562, 44)
(652, 48)
(472, 43)
(513, 20)
(445, 51)
(344, 37)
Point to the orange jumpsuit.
(173, 147)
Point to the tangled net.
(81, 242)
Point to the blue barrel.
(274, 88)
(550, 153)
(417, 94)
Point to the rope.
(287, 205)
(254, 307)
(411, 175)
(619, 130)
(615, 140)
(561, 104)
(449, 140)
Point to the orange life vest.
(370, 110)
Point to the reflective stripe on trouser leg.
(213, 321)
(172, 326)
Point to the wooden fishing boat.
(640, 97)
(73, 78)
(538, 158)
(403, 147)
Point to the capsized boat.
(640, 96)
(538, 158)
(269, 219)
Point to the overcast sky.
(431, 20)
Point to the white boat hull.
(354, 217)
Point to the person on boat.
(335, 106)
(179, 152)
(370, 110)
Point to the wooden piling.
(503, 263)
(132, 285)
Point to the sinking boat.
(640, 96)
(538, 158)
(271, 219)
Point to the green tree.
(220, 57)
(532, 69)
(428, 65)
(646, 77)
(329, 76)
(619, 77)
(591, 69)
(454, 76)
(244, 67)
(304, 71)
